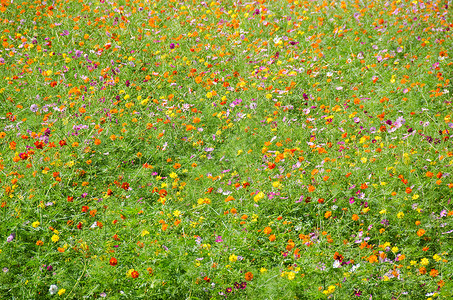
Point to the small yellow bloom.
(35, 224)
(258, 196)
(400, 215)
(262, 270)
(55, 238)
(276, 184)
(144, 232)
(61, 292)
(291, 275)
(233, 258)
(424, 261)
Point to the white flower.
(336, 264)
(53, 289)
(355, 267)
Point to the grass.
(210, 150)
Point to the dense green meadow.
(161, 149)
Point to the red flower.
(207, 279)
(79, 226)
(134, 274)
(85, 208)
(62, 143)
(39, 144)
(113, 261)
(70, 199)
(125, 186)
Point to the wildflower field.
(278, 149)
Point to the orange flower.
(355, 217)
(177, 166)
(248, 276)
(39, 243)
(420, 232)
(422, 270)
(134, 274)
(229, 198)
(408, 190)
(272, 237)
(434, 273)
(290, 245)
(267, 230)
(327, 214)
(373, 258)
(113, 261)
(311, 188)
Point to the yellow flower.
(394, 249)
(176, 213)
(424, 261)
(436, 257)
(233, 258)
(291, 275)
(262, 270)
(144, 232)
(258, 196)
(400, 215)
(35, 224)
(55, 238)
(61, 292)
(276, 184)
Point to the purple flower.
(172, 46)
(34, 108)
(11, 237)
(219, 239)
